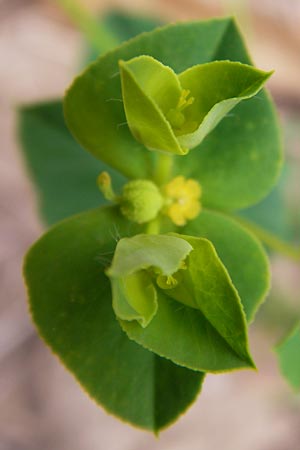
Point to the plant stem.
(153, 227)
(162, 175)
(163, 168)
(96, 32)
(271, 240)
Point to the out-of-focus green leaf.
(124, 26)
(272, 213)
(64, 174)
(288, 354)
(127, 26)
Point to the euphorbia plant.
(142, 297)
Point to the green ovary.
(141, 201)
(175, 116)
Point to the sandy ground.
(41, 406)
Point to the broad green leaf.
(236, 164)
(211, 291)
(288, 357)
(124, 26)
(71, 306)
(273, 212)
(134, 294)
(241, 253)
(185, 334)
(64, 174)
(212, 318)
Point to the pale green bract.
(149, 270)
(134, 295)
(174, 113)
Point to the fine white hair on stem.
(114, 100)
(119, 125)
(104, 258)
(115, 74)
(115, 234)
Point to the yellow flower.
(182, 200)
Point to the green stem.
(271, 240)
(96, 32)
(163, 168)
(162, 175)
(164, 164)
(153, 227)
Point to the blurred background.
(41, 406)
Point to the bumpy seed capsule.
(176, 116)
(141, 201)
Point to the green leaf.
(273, 212)
(212, 292)
(241, 253)
(124, 26)
(196, 345)
(288, 357)
(204, 285)
(236, 164)
(70, 302)
(209, 333)
(64, 174)
(127, 26)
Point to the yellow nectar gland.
(105, 186)
(182, 200)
